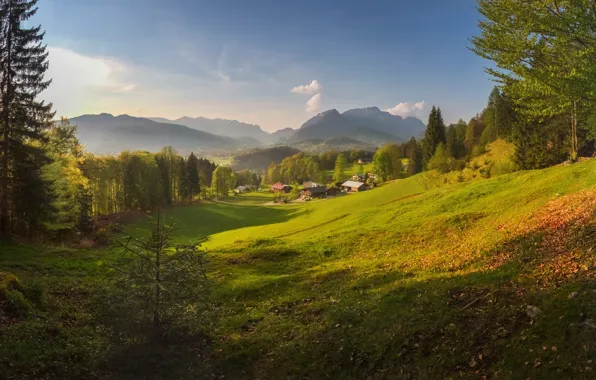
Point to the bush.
(8, 282)
(17, 304)
(477, 150)
(36, 293)
(439, 161)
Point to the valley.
(345, 286)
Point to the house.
(242, 189)
(364, 161)
(308, 184)
(353, 186)
(315, 191)
(280, 188)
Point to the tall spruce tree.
(192, 176)
(23, 118)
(434, 134)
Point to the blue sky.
(245, 60)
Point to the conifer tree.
(414, 157)
(23, 117)
(434, 134)
(192, 176)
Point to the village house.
(353, 186)
(280, 188)
(315, 191)
(308, 184)
(242, 189)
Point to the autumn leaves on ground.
(491, 278)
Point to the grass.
(252, 198)
(404, 281)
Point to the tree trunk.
(156, 321)
(4, 168)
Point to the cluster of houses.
(312, 189)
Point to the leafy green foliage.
(223, 181)
(340, 166)
(440, 160)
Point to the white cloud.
(126, 88)
(309, 89)
(406, 109)
(313, 103)
(314, 88)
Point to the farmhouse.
(280, 188)
(353, 186)
(242, 189)
(315, 191)
(308, 184)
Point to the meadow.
(411, 280)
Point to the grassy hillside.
(486, 278)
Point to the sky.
(272, 63)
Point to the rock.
(533, 311)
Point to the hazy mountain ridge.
(222, 127)
(368, 127)
(105, 133)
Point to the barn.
(280, 188)
(315, 191)
(353, 186)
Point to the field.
(491, 278)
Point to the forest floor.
(491, 278)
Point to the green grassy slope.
(399, 282)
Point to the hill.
(106, 133)
(281, 136)
(336, 143)
(260, 159)
(491, 278)
(369, 125)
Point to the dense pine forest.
(463, 252)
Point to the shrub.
(36, 293)
(477, 150)
(17, 305)
(8, 282)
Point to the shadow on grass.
(207, 219)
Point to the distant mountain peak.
(369, 125)
(332, 111)
(365, 110)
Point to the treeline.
(450, 147)
(143, 181)
(303, 167)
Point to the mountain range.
(105, 133)
(369, 125)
